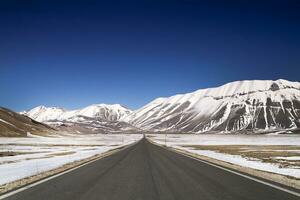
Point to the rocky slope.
(14, 124)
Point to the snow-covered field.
(272, 153)
(23, 157)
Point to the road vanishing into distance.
(148, 172)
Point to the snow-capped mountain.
(100, 118)
(240, 105)
(44, 114)
(97, 111)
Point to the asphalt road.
(145, 171)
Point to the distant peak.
(110, 106)
(42, 107)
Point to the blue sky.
(75, 53)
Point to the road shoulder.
(30, 181)
(282, 181)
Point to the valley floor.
(24, 157)
(278, 154)
(147, 171)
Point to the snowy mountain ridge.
(240, 88)
(240, 105)
(97, 111)
(258, 105)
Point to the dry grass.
(15, 153)
(50, 145)
(278, 178)
(62, 153)
(267, 154)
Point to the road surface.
(146, 171)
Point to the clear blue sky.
(75, 53)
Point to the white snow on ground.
(239, 160)
(180, 142)
(221, 139)
(41, 154)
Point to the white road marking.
(194, 158)
(234, 172)
(61, 173)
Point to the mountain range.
(97, 118)
(240, 106)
